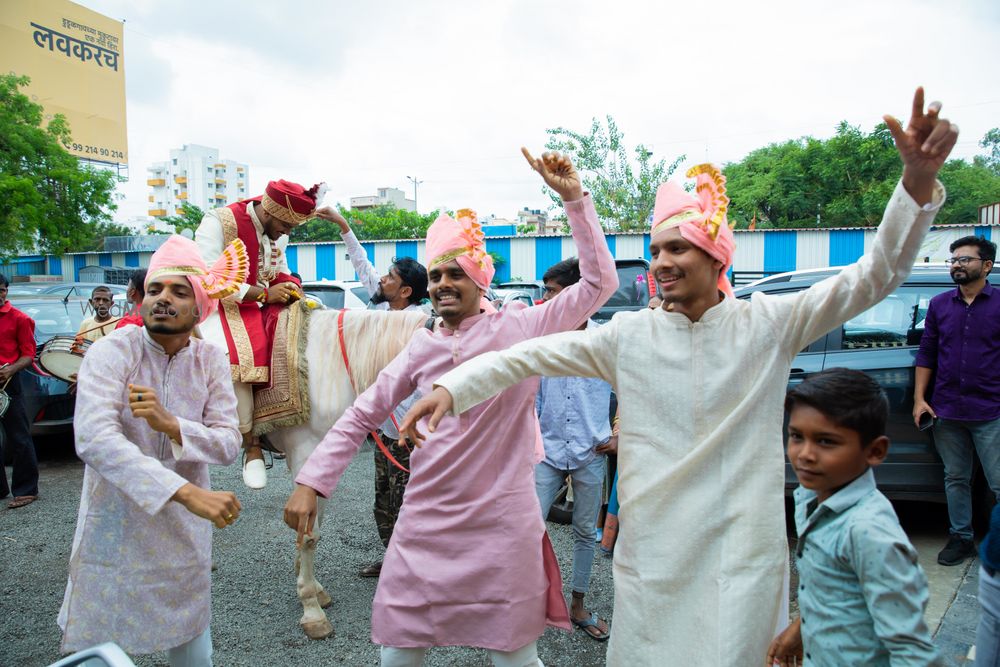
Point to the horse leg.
(314, 622)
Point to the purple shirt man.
(960, 350)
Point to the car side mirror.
(913, 337)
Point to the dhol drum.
(62, 356)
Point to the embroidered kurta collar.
(255, 220)
(715, 312)
(151, 342)
(464, 325)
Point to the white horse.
(372, 339)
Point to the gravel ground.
(255, 609)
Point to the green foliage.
(623, 188)
(526, 229)
(381, 222)
(98, 231)
(498, 259)
(49, 201)
(844, 181)
(190, 218)
(991, 143)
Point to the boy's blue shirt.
(862, 594)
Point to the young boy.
(861, 592)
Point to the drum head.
(4, 402)
(62, 357)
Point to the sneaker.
(956, 551)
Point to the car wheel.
(562, 509)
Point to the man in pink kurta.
(469, 563)
(155, 407)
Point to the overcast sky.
(363, 94)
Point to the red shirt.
(17, 334)
(130, 319)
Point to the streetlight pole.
(413, 179)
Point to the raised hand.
(558, 172)
(436, 404)
(333, 215)
(923, 146)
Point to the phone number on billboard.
(97, 152)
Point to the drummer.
(17, 349)
(102, 323)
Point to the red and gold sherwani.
(239, 326)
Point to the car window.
(362, 293)
(887, 323)
(633, 290)
(331, 295)
(56, 318)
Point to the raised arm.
(366, 271)
(587, 353)
(598, 277)
(923, 148)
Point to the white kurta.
(701, 554)
(210, 238)
(140, 568)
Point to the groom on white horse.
(447, 579)
(244, 325)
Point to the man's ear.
(877, 450)
(406, 292)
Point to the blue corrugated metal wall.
(502, 248)
(292, 257)
(55, 266)
(326, 261)
(645, 247)
(406, 249)
(846, 246)
(79, 261)
(548, 251)
(132, 259)
(104, 259)
(779, 251)
(984, 232)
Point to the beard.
(379, 297)
(965, 276)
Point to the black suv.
(883, 342)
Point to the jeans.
(988, 632)
(588, 484)
(17, 429)
(958, 442)
(196, 653)
(526, 656)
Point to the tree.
(49, 201)
(623, 194)
(98, 232)
(380, 222)
(189, 218)
(991, 143)
(526, 229)
(844, 181)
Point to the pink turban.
(180, 257)
(461, 240)
(701, 217)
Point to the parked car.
(883, 342)
(507, 295)
(338, 294)
(61, 289)
(47, 400)
(534, 288)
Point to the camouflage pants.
(390, 483)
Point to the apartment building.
(195, 175)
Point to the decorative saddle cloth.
(284, 402)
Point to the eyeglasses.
(961, 261)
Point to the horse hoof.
(318, 629)
(324, 599)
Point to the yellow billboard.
(75, 61)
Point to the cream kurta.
(140, 568)
(701, 555)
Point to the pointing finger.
(527, 156)
(918, 103)
(895, 129)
